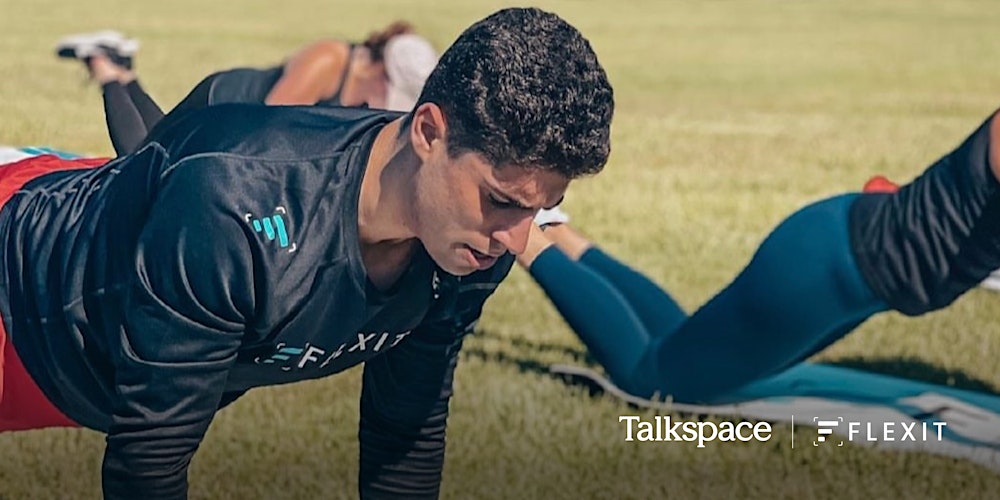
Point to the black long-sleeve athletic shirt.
(145, 294)
(923, 247)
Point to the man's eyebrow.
(520, 203)
(509, 198)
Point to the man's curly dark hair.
(522, 87)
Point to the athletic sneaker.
(550, 216)
(880, 184)
(112, 44)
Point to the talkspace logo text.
(665, 429)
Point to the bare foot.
(104, 71)
(572, 243)
(537, 243)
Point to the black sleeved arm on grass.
(404, 399)
(184, 321)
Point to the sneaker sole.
(84, 45)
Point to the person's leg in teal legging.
(653, 306)
(595, 309)
(765, 320)
(801, 290)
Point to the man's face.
(469, 213)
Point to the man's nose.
(514, 237)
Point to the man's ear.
(427, 129)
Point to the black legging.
(130, 114)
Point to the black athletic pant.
(131, 113)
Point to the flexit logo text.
(888, 431)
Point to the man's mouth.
(480, 259)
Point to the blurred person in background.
(385, 71)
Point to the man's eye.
(497, 202)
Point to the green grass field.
(730, 115)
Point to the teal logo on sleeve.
(273, 228)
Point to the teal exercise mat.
(10, 154)
(847, 405)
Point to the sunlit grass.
(731, 115)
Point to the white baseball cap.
(409, 60)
